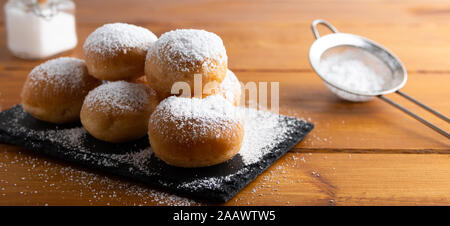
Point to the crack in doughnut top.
(116, 37)
(61, 73)
(119, 97)
(195, 117)
(182, 49)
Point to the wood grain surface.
(358, 154)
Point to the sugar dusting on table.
(74, 182)
(259, 140)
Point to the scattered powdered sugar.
(116, 37)
(264, 132)
(197, 117)
(62, 73)
(71, 138)
(118, 96)
(182, 49)
(269, 129)
(74, 139)
(212, 183)
(67, 183)
(230, 87)
(138, 159)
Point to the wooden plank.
(269, 41)
(268, 35)
(352, 179)
(359, 127)
(276, 34)
(298, 178)
(285, 46)
(30, 179)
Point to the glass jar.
(38, 29)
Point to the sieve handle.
(420, 119)
(443, 117)
(317, 22)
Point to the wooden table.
(358, 154)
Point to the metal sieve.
(378, 58)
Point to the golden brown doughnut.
(193, 132)
(117, 51)
(180, 54)
(54, 91)
(118, 111)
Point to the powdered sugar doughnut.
(180, 54)
(54, 91)
(118, 111)
(117, 51)
(230, 88)
(193, 132)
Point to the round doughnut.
(193, 132)
(180, 54)
(54, 91)
(118, 111)
(117, 51)
(230, 88)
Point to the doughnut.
(118, 111)
(54, 91)
(230, 88)
(143, 80)
(178, 55)
(194, 132)
(117, 51)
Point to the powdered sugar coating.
(230, 87)
(195, 117)
(118, 97)
(118, 37)
(183, 49)
(61, 73)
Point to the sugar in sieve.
(337, 54)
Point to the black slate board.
(215, 183)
